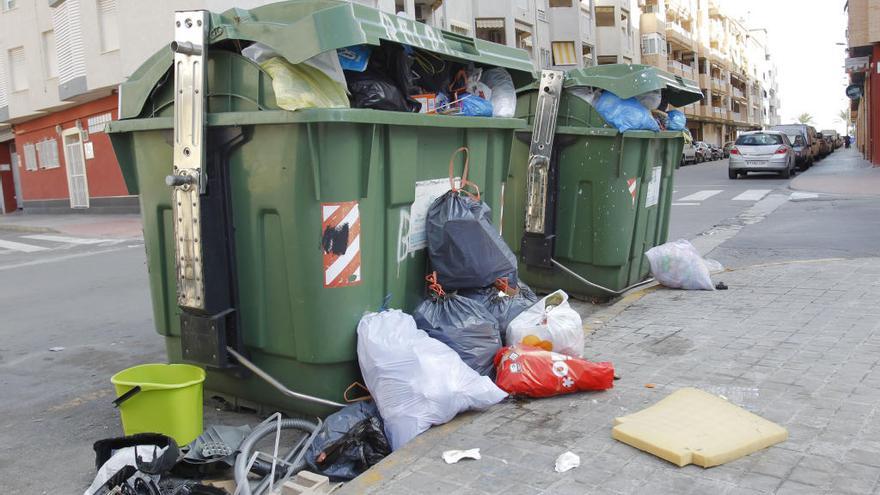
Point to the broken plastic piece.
(721, 286)
(567, 461)
(453, 456)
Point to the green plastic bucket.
(161, 398)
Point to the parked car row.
(809, 145)
(699, 151)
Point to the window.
(545, 58)
(47, 152)
(563, 53)
(30, 157)
(523, 35)
(624, 21)
(604, 16)
(108, 25)
(18, 69)
(653, 44)
(8, 5)
(96, 123)
(587, 55)
(607, 59)
(50, 55)
(560, 3)
(760, 139)
(491, 30)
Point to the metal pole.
(278, 385)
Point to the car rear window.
(759, 139)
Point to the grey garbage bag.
(464, 248)
(503, 302)
(350, 441)
(463, 324)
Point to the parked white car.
(761, 151)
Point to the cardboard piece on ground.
(694, 427)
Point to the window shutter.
(69, 41)
(108, 24)
(18, 68)
(30, 157)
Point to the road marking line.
(803, 195)
(685, 204)
(67, 240)
(18, 246)
(61, 258)
(752, 195)
(701, 195)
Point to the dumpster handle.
(585, 281)
(278, 385)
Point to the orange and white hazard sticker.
(632, 184)
(341, 243)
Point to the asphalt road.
(90, 298)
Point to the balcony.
(718, 112)
(737, 92)
(719, 84)
(736, 116)
(675, 33)
(681, 69)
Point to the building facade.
(61, 62)
(863, 67)
(698, 40)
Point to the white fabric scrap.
(453, 456)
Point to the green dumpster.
(608, 193)
(271, 232)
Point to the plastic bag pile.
(474, 326)
(642, 112)
(390, 77)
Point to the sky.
(803, 36)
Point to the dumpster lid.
(300, 29)
(627, 81)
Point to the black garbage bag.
(350, 442)
(387, 83)
(464, 248)
(463, 324)
(503, 302)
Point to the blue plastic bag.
(676, 121)
(625, 115)
(354, 58)
(474, 106)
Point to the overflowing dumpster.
(269, 232)
(584, 201)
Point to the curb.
(27, 229)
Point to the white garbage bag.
(678, 265)
(549, 324)
(416, 381)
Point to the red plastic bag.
(534, 372)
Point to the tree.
(805, 118)
(844, 116)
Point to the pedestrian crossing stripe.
(340, 242)
(20, 246)
(701, 195)
(752, 195)
(70, 240)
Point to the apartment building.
(558, 34)
(60, 64)
(863, 67)
(698, 40)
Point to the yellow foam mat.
(694, 427)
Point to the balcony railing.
(720, 83)
(737, 92)
(684, 33)
(737, 116)
(717, 110)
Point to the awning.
(564, 53)
(490, 23)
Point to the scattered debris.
(720, 286)
(567, 461)
(56, 349)
(453, 456)
(694, 427)
(649, 385)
